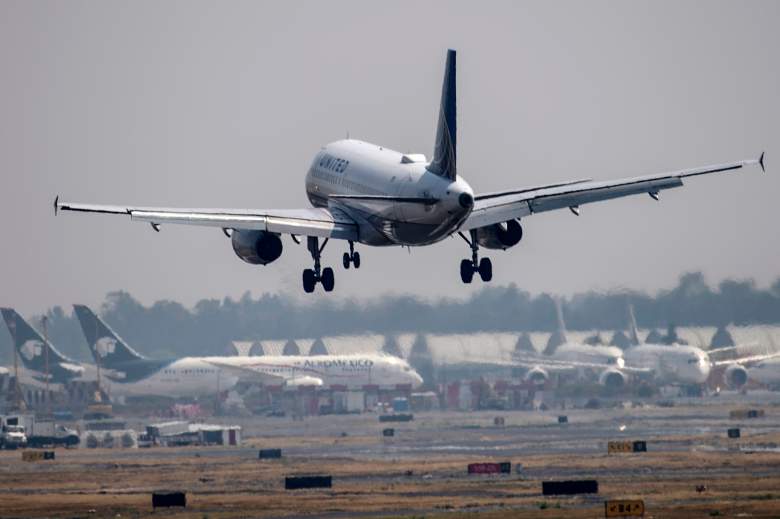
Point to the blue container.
(400, 405)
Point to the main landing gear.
(317, 275)
(351, 257)
(468, 267)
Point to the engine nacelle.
(500, 235)
(537, 376)
(256, 247)
(612, 379)
(735, 376)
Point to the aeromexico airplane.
(128, 373)
(369, 194)
(35, 352)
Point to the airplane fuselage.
(356, 168)
(766, 372)
(671, 364)
(193, 376)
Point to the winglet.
(761, 162)
(57, 199)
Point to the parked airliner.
(683, 364)
(605, 364)
(126, 372)
(370, 194)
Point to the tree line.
(169, 329)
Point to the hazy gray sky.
(224, 104)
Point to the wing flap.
(324, 223)
(500, 207)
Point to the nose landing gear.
(351, 257)
(468, 267)
(317, 275)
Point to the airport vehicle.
(45, 433)
(13, 437)
(127, 372)
(369, 194)
(39, 357)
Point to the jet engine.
(256, 247)
(537, 376)
(500, 235)
(735, 376)
(612, 379)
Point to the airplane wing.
(324, 223)
(499, 207)
(566, 365)
(747, 360)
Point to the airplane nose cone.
(417, 380)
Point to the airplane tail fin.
(30, 345)
(561, 322)
(633, 330)
(559, 336)
(107, 348)
(444, 153)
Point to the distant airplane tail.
(108, 349)
(444, 161)
(32, 348)
(559, 336)
(561, 322)
(633, 334)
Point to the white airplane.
(128, 373)
(370, 194)
(683, 364)
(38, 357)
(606, 363)
(765, 372)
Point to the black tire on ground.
(345, 260)
(328, 280)
(466, 271)
(308, 281)
(486, 269)
(356, 260)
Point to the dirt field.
(422, 472)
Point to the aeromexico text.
(334, 363)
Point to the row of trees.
(169, 329)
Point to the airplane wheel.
(346, 260)
(356, 260)
(309, 281)
(466, 271)
(486, 269)
(328, 281)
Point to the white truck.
(49, 434)
(13, 437)
(37, 433)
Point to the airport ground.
(691, 468)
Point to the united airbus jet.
(367, 194)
